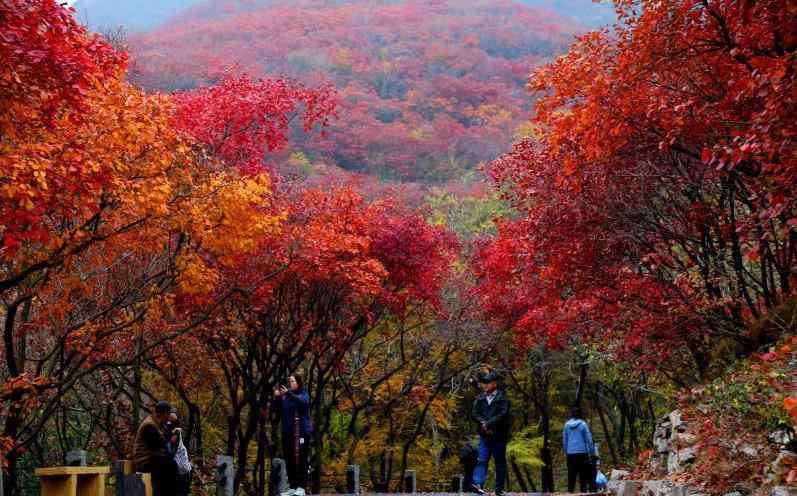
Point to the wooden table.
(73, 481)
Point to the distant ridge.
(142, 15)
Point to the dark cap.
(489, 377)
(163, 407)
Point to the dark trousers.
(579, 465)
(183, 484)
(164, 478)
(491, 449)
(468, 457)
(296, 468)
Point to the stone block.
(780, 437)
(661, 445)
(410, 484)
(77, 458)
(618, 474)
(784, 491)
(624, 487)
(746, 487)
(225, 475)
(685, 439)
(678, 425)
(781, 465)
(749, 451)
(353, 479)
(657, 488)
(678, 460)
(458, 484)
(278, 478)
(679, 490)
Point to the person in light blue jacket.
(579, 449)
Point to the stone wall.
(673, 449)
(673, 453)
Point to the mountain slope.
(428, 89)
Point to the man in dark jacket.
(150, 454)
(491, 413)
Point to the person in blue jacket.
(296, 429)
(579, 449)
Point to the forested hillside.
(427, 90)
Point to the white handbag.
(181, 457)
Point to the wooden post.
(353, 479)
(225, 475)
(410, 482)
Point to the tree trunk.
(519, 476)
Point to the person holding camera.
(491, 414)
(580, 449)
(296, 429)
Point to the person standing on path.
(174, 434)
(491, 413)
(150, 452)
(579, 449)
(296, 430)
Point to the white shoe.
(299, 491)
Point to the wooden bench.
(73, 481)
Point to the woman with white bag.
(180, 453)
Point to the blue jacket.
(295, 403)
(577, 438)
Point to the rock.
(673, 467)
(618, 474)
(685, 439)
(749, 450)
(658, 464)
(627, 488)
(677, 460)
(781, 437)
(613, 486)
(746, 488)
(661, 445)
(784, 491)
(682, 491)
(780, 467)
(678, 425)
(657, 488)
(77, 458)
(734, 493)
(687, 455)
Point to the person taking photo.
(296, 429)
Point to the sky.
(142, 15)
